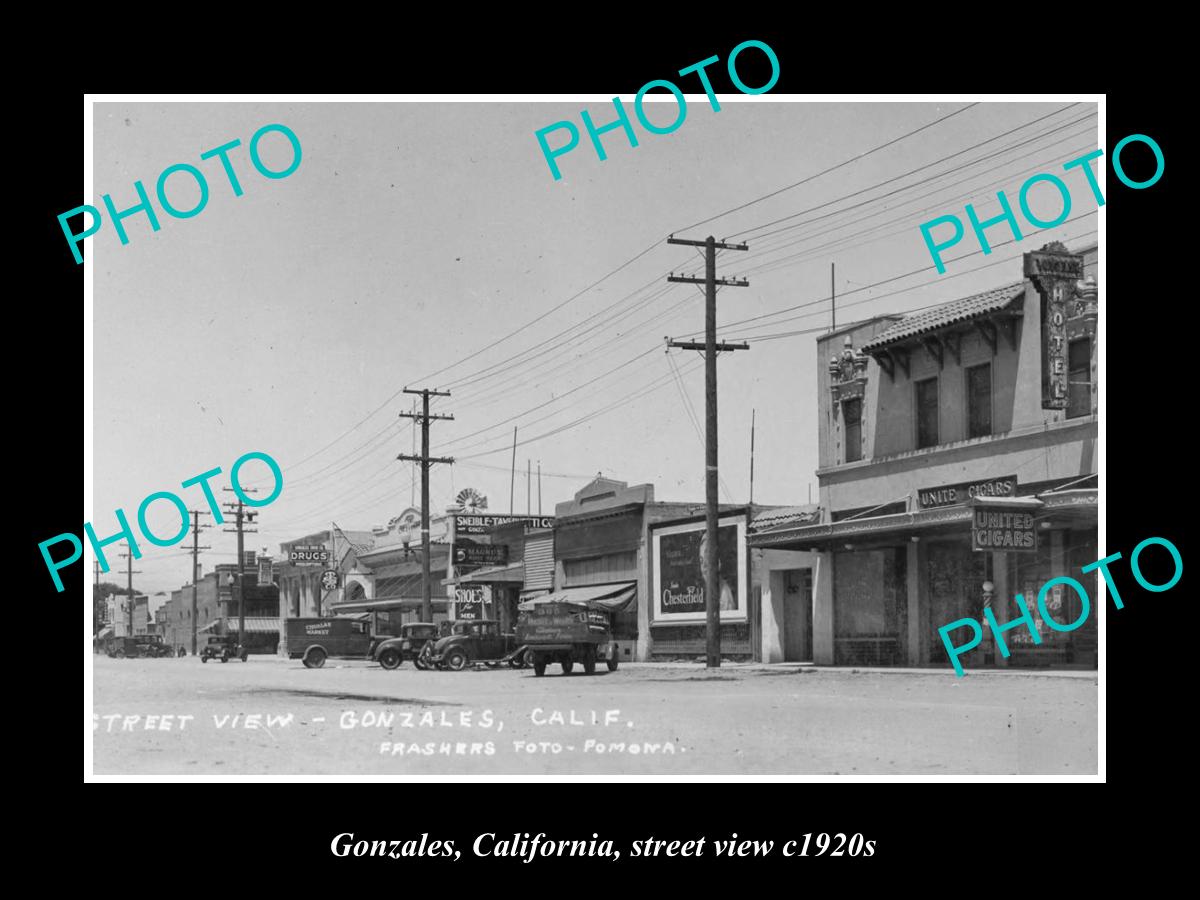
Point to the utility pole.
(512, 478)
(710, 346)
(426, 461)
(96, 617)
(241, 516)
(196, 548)
(129, 586)
(832, 296)
(753, 413)
(539, 487)
(528, 487)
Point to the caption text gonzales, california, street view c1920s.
(906, 454)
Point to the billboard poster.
(679, 574)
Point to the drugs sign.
(308, 556)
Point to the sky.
(428, 245)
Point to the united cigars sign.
(1004, 530)
(958, 494)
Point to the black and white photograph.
(681, 434)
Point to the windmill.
(470, 500)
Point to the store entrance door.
(797, 615)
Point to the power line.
(846, 162)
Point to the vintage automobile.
(138, 646)
(565, 632)
(314, 640)
(472, 641)
(390, 652)
(223, 647)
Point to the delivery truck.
(315, 640)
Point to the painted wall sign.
(956, 494)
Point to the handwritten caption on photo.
(126, 533)
(1026, 617)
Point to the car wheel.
(118, 654)
(420, 664)
(225, 657)
(539, 667)
(204, 658)
(456, 660)
(589, 664)
(612, 663)
(568, 665)
(245, 655)
(314, 658)
(390, 658)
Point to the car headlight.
(407, 645)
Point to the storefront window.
(870, 606)
(954, 575)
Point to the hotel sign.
(1003, 530)
(1055, 272)
(957, 494)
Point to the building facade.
(958, 464)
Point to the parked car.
(223, 647)
(567, 633)
(151, 646)
(390, 652)
(471, 641)
(315, 640)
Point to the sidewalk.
(794, 668)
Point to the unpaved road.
(350, 717)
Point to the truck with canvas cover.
(566, 632)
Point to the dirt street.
(271, 717)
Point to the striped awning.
(254, 625)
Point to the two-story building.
(958, 467)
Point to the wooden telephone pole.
(712, 597)
(242, 517)
(196, 548)
(129, 588)
(426, 461)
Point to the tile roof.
(786, 515)
(955, 311)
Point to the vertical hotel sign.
(1054, 270)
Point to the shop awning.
(608, 597)
(254, 625)
(104, 632)
(209, 627)
(513, 573)
(386, 604)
